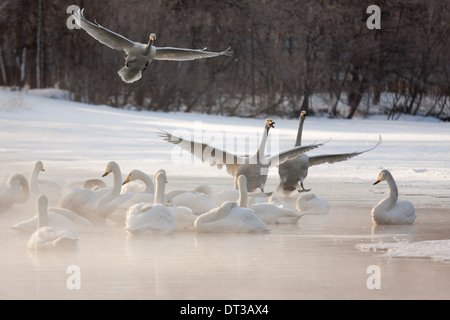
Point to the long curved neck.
(34, 180)
(102, 203)
(243, 195)
(393, 191)
(17, 182)
(298, 141)
(262, 145)
(149, 187)
(160, 189)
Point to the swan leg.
(303, 188)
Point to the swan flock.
(150, 210)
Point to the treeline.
(285, 53)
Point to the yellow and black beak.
(271, 124)
(376, 182)
(105, 174)
(126, 180)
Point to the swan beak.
(153, 37)
(105, 174)
(271, 124)
(376, 182)
(126, 180)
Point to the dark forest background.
(285, 53)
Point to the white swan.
(254, 167)
(196, 201)
(51, 189)
(270, 212)
(97, 205)
(147, 196)
(138, 176)
(311, 204)
(56, 217)
(229, 217)
(390, 210)
(139, 55)
(293, 172)
(50, 237)
(156, 218)
(16, 190)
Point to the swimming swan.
(151, 218)
(294, 171)
(139, 55)
(50, 237)
(51, 189)
(138, 175)
(271, 212)
(16, 190)
(229, 217)
(254, 167)
(389, 210)
(312, 204)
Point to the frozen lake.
(320, 257)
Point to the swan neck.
(22, 196)
(298, 141)
(262, 145)
(149, 187)
(160, 189)
(102, 203)
(243, 196)
(34, 180)
(393, 191)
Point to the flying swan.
(254, 168)
(294, 171)
(139, 55)
(389, 210)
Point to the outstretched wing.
(105, 36)
(291, 153)
(205, 152)
(332, 158)
(180, 54)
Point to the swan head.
(151, 39)
(383, 176)
(133, 175)
(302, 114)
(269, 124)
(39, 166)
(109, 168)
(161, 177)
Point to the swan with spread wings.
(255, 167)
(139, 55)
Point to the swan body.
(156, 218)
(270, 212)
(16, 190)
(254, 167)
(48, 237)
(197, 202)
(57, 217)
(229, 217)
(51, 189)
(294, 171)
(390, 210)
(139, 55)
(311, 204)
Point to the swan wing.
(181, 54)
(205, 152)
(291, 153)
(332, 158)
(102, 34)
